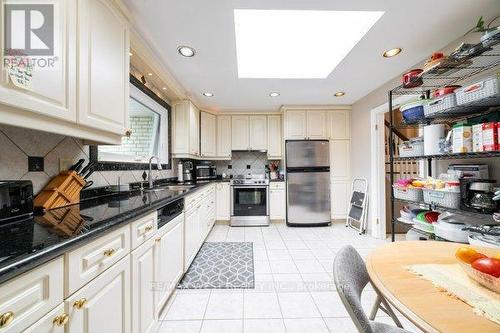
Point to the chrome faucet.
(158, 164)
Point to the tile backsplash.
(240, 161)
(59, 152)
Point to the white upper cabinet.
(208, 138)
(224, 136)
(274, 137)
(258, 132)
(249, 133)
(52, 91)
(295, 125)
(194, 131)
(186, 139)
(316, 125)
(103, 66)
(240, 133)
(339, 125)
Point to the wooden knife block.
(63, 190)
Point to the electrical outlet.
(229, 167)
(248, 166)
(35, 163)
(65, 163)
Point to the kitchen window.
(149, 123)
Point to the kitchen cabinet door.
(194, 130)
(240, 133)
(339, 125)
(339, 159)
(180, 128)
(258, 132)
(295, 125)
(53, 322)
(52, 91)
(103, 305)
(143, 293)
(191, 236)
(224, 136)
(208, 137)
(316, 125)
(274, 137)
(277, 204)
(31, 295)
(339, 196)
(103, 66)
(223, 202)
(169, 259)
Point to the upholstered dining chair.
(351, 277)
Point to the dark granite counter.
(34, 241)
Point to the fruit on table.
(468, 254)
(489, 266)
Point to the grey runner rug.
(221, 265)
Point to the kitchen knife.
(77, 166)
(87, 167)
(89, 172)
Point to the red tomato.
(489, 266)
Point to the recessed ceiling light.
(208, 94)
(274, 94)
(164, 88)
(339, 94)
(150, 74)
(130, 54)
(293, 44)
(186, 51)
(392, 52)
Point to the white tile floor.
(294, 289)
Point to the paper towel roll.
(432, 135)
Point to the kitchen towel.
(432, 136)
(455, 281)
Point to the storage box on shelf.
(479, 99)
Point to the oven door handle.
(250, 186)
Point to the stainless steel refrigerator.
(307, 182)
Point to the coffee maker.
(476, 195)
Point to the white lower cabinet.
(103, 305)
(339, 197)
(223, 191)
(277, 201)
(169, 259)
(30, 296)
(53, 322)
(191, 235)
(143, 300)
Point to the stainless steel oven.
(250, 202)
(206, 172)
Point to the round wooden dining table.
(417, 299)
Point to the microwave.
(206, 172)
(16, 200)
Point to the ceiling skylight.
(296, 44)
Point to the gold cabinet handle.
(6, 318)
(148, 228)
(61, 320)
(158, 240)
(80, 303)
(128, 133)
(109, 252)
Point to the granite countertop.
(36, 240)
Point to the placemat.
(453, 280)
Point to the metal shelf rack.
(468, 67)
